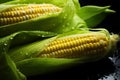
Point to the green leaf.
(8, 69)
(36, 66)
(94, 15)
(22, 38)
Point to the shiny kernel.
(1, 21)
(83, 46)
(5, 21)
(48, 49)
(61, 46)
(71, 44)
(58, 41)
(62, 51)
(77, 42)
(91, 45)
(68, 45)
(102, 43)
(47, 55)
(53, 48)
(87, 46)
(27, 17)
(53, 54)
(74, 49)
(44, 55)
(95, 45)
(66, 51)
(21, 18)
(70, 50)
(78, 48)
(92, 39)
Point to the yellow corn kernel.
(77, 46)
(22, 13)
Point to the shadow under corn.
(87, 71)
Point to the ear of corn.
(23, 13)
(53, 16)
(87, 44)
(84, 46)
(68, 49)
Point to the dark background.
(105, 69)
(112, 22)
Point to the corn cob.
(89, 44)
(22, 13)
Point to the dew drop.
(26, 54)
(21, 52)
(73, 27)
(65, 16)
(43, 35)
(63, 26)
(5, 44)
(11, 38)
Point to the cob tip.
(114, 39)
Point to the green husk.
(94, 15)
(8, 69)
(22, 38)
(38, 66)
